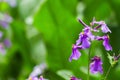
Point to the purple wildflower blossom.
(4, 24)
(88, 30)
(75, 52)
(7, 43)
(5, 20)
(74, 78)
(38, 70)
(96, 65)
(102, 25)
(86, 36)
(105, 42)
(34, 78)
(83, 40)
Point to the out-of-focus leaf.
(24, 47)
(59, 29)
(66, 74)
(27, 7)
(100, 11)
(70, 5)
(111, 58)
(38, 51)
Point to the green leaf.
(66, 74)
(111, 60)
(59, 29)
(27, 7)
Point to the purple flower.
(103, 26)
(34, 78)
(7, 43)
(96, 65)
(83, 40)
(75, 52)
(88, 30)
(5, 20)
(4, 24)
(38, 69)
(74, 78)
(105, 42)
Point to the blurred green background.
(43, 31)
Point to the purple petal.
(99, 38)
(85, 41)
(85, 37)
(92, 68)
(103, 26)
(105, 29)
(34, 78)
(7, 43)
(3, 24)
(75, 53)
(96, 65)
(106, 43)
(7, 18)
(87, 31)
(79, 40)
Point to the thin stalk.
(88, 77)
(88, 66)
(85, 25)
(107, 72)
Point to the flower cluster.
(85, 39)
(38, 70)
(5, 19)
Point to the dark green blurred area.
(44, 31)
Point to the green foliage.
(44, 31)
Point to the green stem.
(88, 78)
(88, 66)
(107, 72)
